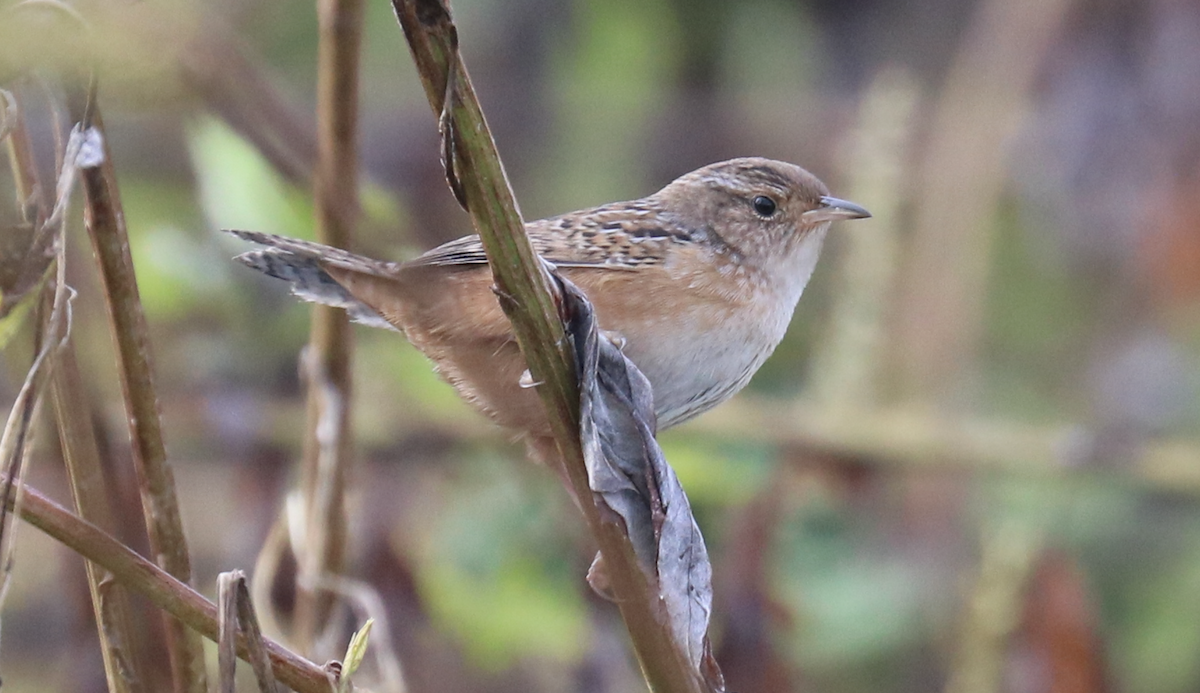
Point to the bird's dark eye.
(764, 206)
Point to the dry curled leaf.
(630, 477)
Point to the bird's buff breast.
(698, 345)
(697, 349)
(699, 341)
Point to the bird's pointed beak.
(833, 209)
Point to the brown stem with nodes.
(478, 180)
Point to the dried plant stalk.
(477, 177)
(981, 106)
(105, 221)
(109, 601)
(327, 361)
(236, 616)
(913, 436)
(163, 590)
(846, 368)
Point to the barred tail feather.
(296, 262)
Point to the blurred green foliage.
(495, 567)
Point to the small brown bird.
(697, 281)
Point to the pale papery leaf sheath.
(236, 616)
(629, 473)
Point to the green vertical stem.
(1009, 556)
(846, 368)
(327, 362)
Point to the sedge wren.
(697, 282)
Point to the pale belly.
(693, 367)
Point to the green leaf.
(10, 324)
(239, 189)
(354, 654)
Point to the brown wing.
(446, 311)
(452, 316)
(622, 235)
(443, 300)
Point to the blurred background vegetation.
(973, 465)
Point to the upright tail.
(302, 265)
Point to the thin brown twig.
(260, 661)
(12, 443)
(914, 438)
(163, 590)
(327, 361)
(110, 603)
(227, 632)
(31, 197)
(105, 221)
(88, 489)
